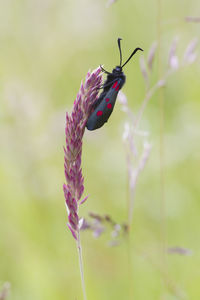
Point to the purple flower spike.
(74, 130)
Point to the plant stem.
(129, 268)
(162, 174)
(80, 256)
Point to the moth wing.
(103, 111)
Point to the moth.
(105, 103)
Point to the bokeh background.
(46, 49)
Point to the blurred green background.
(46, 49)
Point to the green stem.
(80, 256)
(163, 231)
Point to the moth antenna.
(132, 55)
(120, 51)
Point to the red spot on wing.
(117, 88)
(107, 99)
(109, 105)
(99, 113)
(115, 84)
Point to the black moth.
(106, 101)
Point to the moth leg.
(109, 83)
(102, 69)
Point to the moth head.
(117, 70)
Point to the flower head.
(74, 130)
